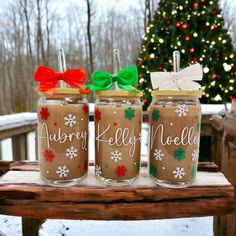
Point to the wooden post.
(19, 147)
(31, 226)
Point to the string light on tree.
(227, 67)
(152, 55)
(206, 70)
(196, 29)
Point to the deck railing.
(17, 127)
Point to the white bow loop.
(182, 80)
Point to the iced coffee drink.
(63, 137)
(175, 121)
(118, 118)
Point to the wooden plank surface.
(23, 193)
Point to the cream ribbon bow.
(182, 80)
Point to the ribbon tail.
(78, 85)
(84, 90)
(129, 88)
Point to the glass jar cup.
(63, 137)
(118, 120)
(175, 123)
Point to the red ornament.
(195, 59)
(214, 12)
(184, 26)
(97, 115)
(48, 155)
(214, 76)
(195, 5)
(140, 76)
(202, 0)
(161, 68)
(86, 165)
(178, 24)
(158, 17)
(231, 98)
(168, 22)
(121, 171)
(144, 100)
(86, 108)
(187, 38)
(191, 50)
(44, 114)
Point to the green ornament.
(155, 115)
(194, 171)
(179, 154)
(153, 170)
(129, 113)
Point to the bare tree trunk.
(48, 33)
(39, 34)
(28, 30)
(89, 14)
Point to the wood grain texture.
(23, 193)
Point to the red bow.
(48, 79)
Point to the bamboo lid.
(192, 93)
(118, 93)
(65, 91)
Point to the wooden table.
(22, 193)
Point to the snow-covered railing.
(16, 127)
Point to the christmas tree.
(196, 29)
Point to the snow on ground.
(11, 226)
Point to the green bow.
(125, 78)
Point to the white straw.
(176, 64)
(62, 66)
(116, 57)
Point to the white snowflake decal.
(182, 110)
(178, 173)
(194, 155)
(116, 156)
(70, 120)
(98, 170)
(62, 171)
(158, 154)
(71, 152)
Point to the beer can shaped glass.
(175, 123)
(63, 136)
(118, 120)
